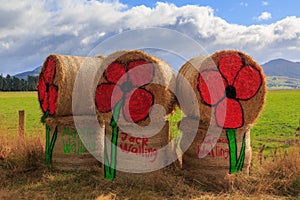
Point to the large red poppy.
(127, 82)
(47, 91)
(224, 88)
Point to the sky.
(240, 12)
(31, 30)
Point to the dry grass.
(21, 153)
(279, 175)
(24, 175)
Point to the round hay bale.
(74, 147)
(139, 151)
(230, 88)
(207, 160)
(134, 93)
(229, 78)
(56, 82)
(140, 81)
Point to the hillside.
(24, 75)
(282, 83)
(281, 67)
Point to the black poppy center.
(127, 87)
(230, 92)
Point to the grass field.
(11, 103)
(25, 175)
(279, 120)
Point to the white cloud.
(31, 30)
(244, 4)
(264, 16)
(265, 3)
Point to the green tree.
(24, 84)
(32, 83)
(8, 83)
(1, 82)
(4, 87)
(16, 84)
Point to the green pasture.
(11, 103)
(278, 121)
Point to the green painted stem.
(50, 144)
(48, 130)
(44, 117)
(236, 164)
(110, 168)
(241, 160)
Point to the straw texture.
(56, 82)
(191, 70)
(139, 79)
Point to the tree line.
(12, 83)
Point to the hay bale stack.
(67, 82)
(56, 82)
(230, 88)
(132, 83)
(77, 144)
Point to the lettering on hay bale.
(230, 87)
(75, 146)
(208, 157)
(138, 152)
(138, 146)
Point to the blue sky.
(31, 30)
(239, 12)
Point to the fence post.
(22, 123)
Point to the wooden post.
(22, 123)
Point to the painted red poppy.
(127, 82)
(226, 87)
(47, 91)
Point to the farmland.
(11, 103)
(277, 124)
(278, 121)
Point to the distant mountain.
(24, 75)
(281, 67)
(281, 74)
